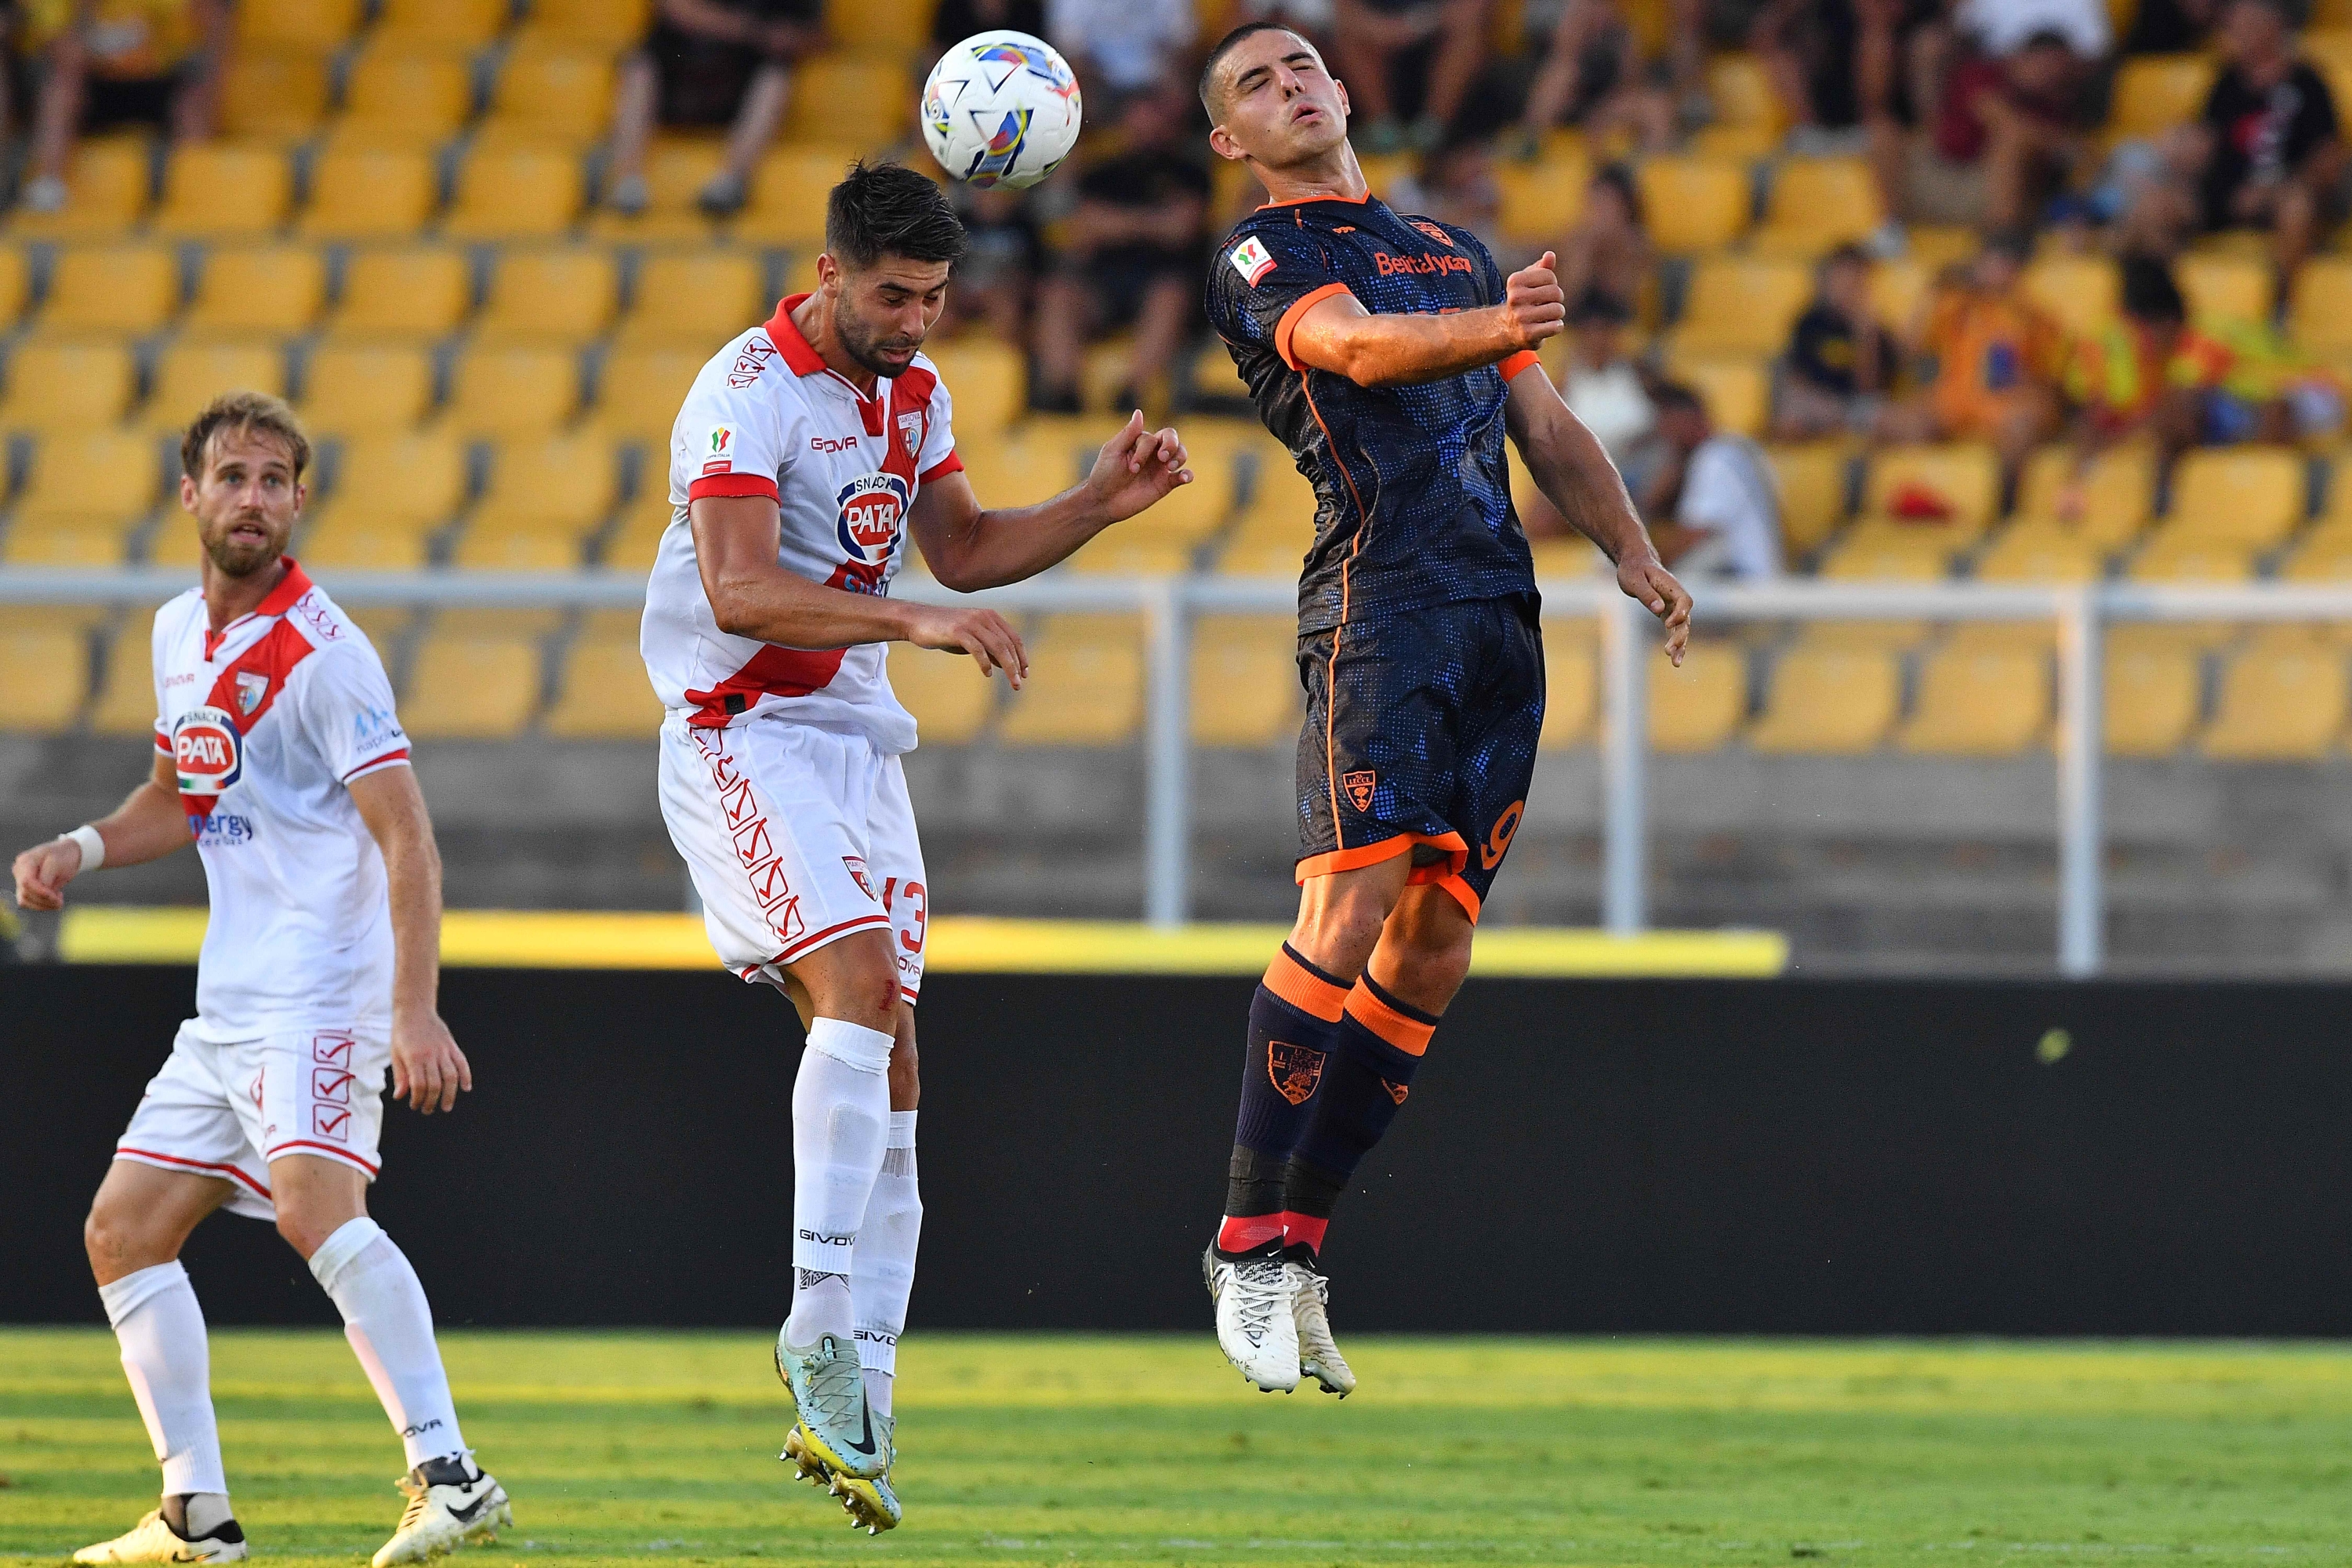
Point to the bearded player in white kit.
(279, 754)
(808, 452)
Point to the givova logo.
(872, 508)
(207, 751)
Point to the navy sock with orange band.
(1381, 1043)
(1294, 1025)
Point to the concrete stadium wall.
(1788, 1157)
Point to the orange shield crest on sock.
(1360, 785)
(1397, 1091)
(1295, 1069)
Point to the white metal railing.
(1168, 604)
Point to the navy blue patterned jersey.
(1412, 491)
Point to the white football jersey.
(267, 724)
(768, 417)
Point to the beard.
(869, 347)
(234, 557)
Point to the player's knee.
(110, 1235)
(1342, 931)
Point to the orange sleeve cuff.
(1523, 360)
(1298, 308)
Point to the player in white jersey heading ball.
(808, 453)
(278, 752)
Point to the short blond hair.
(245, 412)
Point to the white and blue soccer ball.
(1000, 108)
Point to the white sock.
(390, 1325)
(841, 1120)
(885, 1271)
(161, 1330)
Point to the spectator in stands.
(709, 63)
(1608, 393)
(1456, 184)
(2003, 136)
(2272, 151)
(1375, 38)
(1841, 362)
(1997, 356)
(2171, 27)
(1609, 249)
(106, 63)
(1832, 66)
(1131, 252)
(1592, 77)
(1998, 28)
(1120, 46)
(1004, 253)
(956, 20)
(1712, 506)
(2142, 373)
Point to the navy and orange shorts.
(1421, 739)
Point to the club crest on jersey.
(857, 869)
(1359, 786)
(207, 753)
(252, 686)
(1251, 260)
(1433, 232)
(1295, 1070)
(910, 433)
(873, 506)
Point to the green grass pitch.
(660, 1448)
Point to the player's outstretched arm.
(968, 548)
(753, 596)
(427, 1068)
(147, 826)
(1338, 335)
(1576, 476)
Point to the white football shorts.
(229, 1110)
(795, 836)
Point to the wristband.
(93, 848)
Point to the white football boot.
(152, 1540)
(1311, 1308)
(1255, 1327)
(447, 1507)
(836, 1427)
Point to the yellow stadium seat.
(403, 294)
(1693, 206)
(1085, 685)
(116, 291)
(357, 389)
(1828, 701)
(406, 98)
(1815, 204)
(1571, 690)
(1953, 489)
(549, 297)
(273, 290)
(610, 26)
(1123, 553)
(846, 95)
(676, 168)
(512, 391)
(474, 688)
(2326, 556)
(520, 544)
(1978, 702)
(563, 96)
(2079, 291)
(786, 204)
(67, 386)
(369, 192)
(634, 540)
(946, 692)
(106, 192)
(1244, 680)
(2034, 550)
(1740, 88)
(2320, 319)
(989, 383)
(1899, 288)
(1541, 202)
(276, 97)
(1741, 305)
(2118, 492)
(15, 286)
(63, 540)
(42, 667)
(876, 25)
(2236, 288)
(189, 374)
(514, 192)
(1021, 468)
(2278, 704)
(1738, 392)
(311, 26)
(109, 473)
(352, 538)
(439, 23)
(1811, 480)
(696, 299)
(560, 489)
(639, 391)
(126, 705)
(2251, 495)
(224, 190)
(2151, 697)
(2155, 92)
(606, 695)
(2175, 558)
(1701, 706)
(415, 477)
(1888, 555)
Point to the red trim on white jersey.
(276, 1150)
(374, 764)
(951, 464)
(193, 1165)
(276, 602)
(733, 485)
(272, 657)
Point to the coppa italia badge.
(872, 507)
(207, 751)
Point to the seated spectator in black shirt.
(1002, 255)
(1132, 253)
(2272, 151)
(709, 63)
(1841, 360)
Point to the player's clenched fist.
(43, 871)
(1534, 308)
(982, 634)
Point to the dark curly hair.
(887, 209)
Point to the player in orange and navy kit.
(1389, 354)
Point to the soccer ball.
(1000, 108)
